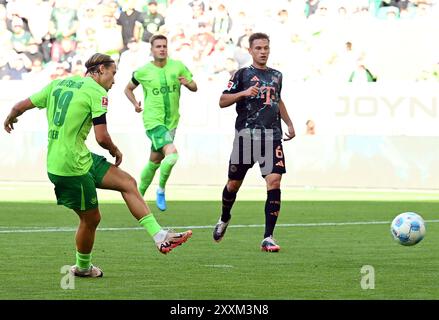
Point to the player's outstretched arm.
(129, 92)
(286, 118)
(17, 110)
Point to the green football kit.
(71, 104)
(161, 90)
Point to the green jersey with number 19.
(70, 104)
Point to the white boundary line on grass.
(69, 229)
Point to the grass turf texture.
(316, 261)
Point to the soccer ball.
(408, 228)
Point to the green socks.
(150, 224)
(147, 175)
(149, 171)
(83, 260)
(166, 167)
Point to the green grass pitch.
(317, 260)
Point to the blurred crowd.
(346, 40)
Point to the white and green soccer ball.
(408, 228)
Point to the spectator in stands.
(222, 23)
(46, 47)
(281, 35)
(241, 54)
(109, 30)
(90, 41)
(64, 20)
(362, 74)
(180, 46)
(78, 68)
(217, 63)
(199, 15)
(131, 59)
(17, 66)
(179, 39)
(240, 22)
(37, 66)
(346, 62)
(243, 39)
(59, 71)
(400, 4)
(197, 4)
(20, 37)
(64, 51)
(37, 73)
(90, 19)
(310, 127)
(388, 13)
(152, 21)
(44, 21)
(83, 51)
(130, 19)
(203, 42)
(225, 71)
(38, 18)
(33, 51)
(110, 7)
(311, 7)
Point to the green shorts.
(79, 192)
(160, 136)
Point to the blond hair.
(93, 63)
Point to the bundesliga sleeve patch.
(230, 85)
(104, 102)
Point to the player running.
(161, 81)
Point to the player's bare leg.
(85, 237)
(119, 180)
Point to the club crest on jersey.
(104, 102)
(230, 85)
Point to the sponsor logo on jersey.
(255, 78)
(165, 90)
(104, 102)
(230, 85)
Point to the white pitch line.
(217, 265)
(319, 224)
